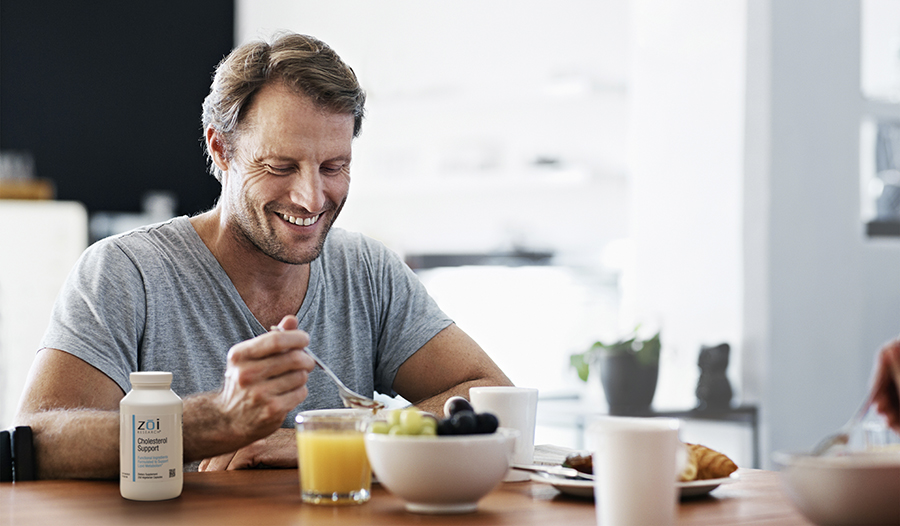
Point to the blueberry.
(464, 422)
(455, 404)
(487, 423)
(445, 427)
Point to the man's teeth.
(300, 220)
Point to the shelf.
(509, 259)
(883, 228)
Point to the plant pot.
(629, 385)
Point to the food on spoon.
(703, 464)
(709, 464)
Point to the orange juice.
(334, 468)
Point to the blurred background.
(720, 171)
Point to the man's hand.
(886, 388)
(278, 450)
(265, 378)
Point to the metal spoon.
(559, 471)
(348, 396)
(842, 435)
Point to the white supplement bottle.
(150, 442)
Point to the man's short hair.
(304, 64)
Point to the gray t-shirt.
(155, 298)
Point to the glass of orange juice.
(331, 454)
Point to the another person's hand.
(278, 450)
(886, 387)
(264, 380)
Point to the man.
(279, 124)
(886, 385)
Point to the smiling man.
(197, 296)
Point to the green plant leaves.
(646, 352)
(580, 363)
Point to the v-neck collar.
(208, 259)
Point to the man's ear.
(215, 144)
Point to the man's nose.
(307, 190)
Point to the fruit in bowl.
(436, 473)
(855, 488)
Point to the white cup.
(636, 466)
(515, 408)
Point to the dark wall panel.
(106, 95)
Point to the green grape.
(428, 432)
(411, 421)
(394, 417)
(397, 430)
(429, 426)
(406, 422)
(381, 428)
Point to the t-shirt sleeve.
(99, 311)
(411, 319)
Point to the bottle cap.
(151, 378)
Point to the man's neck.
(270, 289)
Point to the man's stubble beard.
(262, 237)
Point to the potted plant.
(629, 369)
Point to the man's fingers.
(218, 463)
(268, 344)
(259, 371)
(289, 323)
(893, 359)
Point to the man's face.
(289, 176)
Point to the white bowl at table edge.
(441, 471)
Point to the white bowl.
(856, 488)
(441, 474)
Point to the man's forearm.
(206, 431)
(84, 443)
(435, 404)
(75, 443)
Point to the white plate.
(585, 488)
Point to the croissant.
(704, 463)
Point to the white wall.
(745, 126)
(825, 297)
(686, 155)
(463, 97)
(40, 242)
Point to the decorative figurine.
(713, 389)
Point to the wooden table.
(272, 497)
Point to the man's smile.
(303, 221)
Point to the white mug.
(515, 408)
(635, 466)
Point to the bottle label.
(152, 453)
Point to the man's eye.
(279, 170)
(332, 170)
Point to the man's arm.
(448, 365)
(73, 408)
